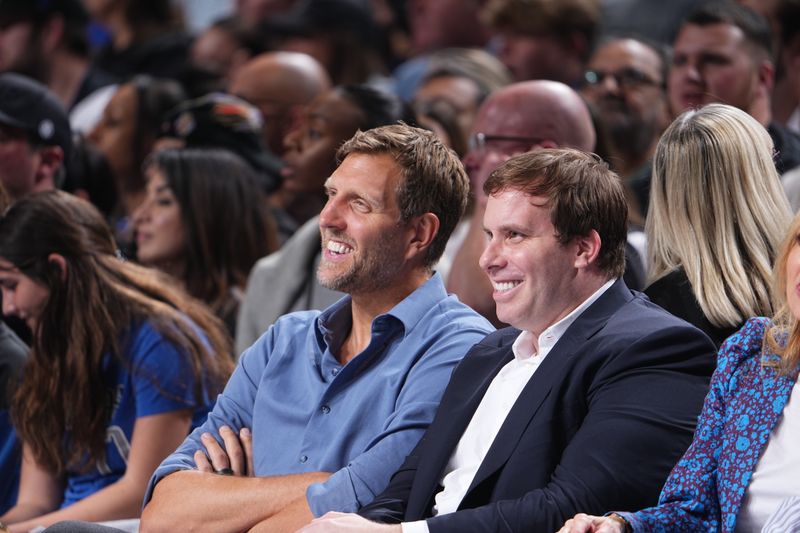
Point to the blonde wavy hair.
(783, 335)
(717, 209)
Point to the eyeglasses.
(627, 78)
(482, 143)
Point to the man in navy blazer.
(585, 403)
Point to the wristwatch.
(626, 526)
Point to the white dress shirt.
(497, 402)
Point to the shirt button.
(326, 409)
(334, 371)
(303, 458)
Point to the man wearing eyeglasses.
(625, 86)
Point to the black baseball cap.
(225, 121)
(28, 105)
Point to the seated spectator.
(122, 364)
(436, 26)
(717, 215)
(125, 136)
(205, 221)
(741, 468)
(286, 281)
(742, 75)
(330, 119)
(545, 39)
(36, 137)
(146, 37)
(625, 86)
(462, 78)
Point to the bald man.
(280, 84)
(519, 118)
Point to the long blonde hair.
(717, 209)
(783, 334)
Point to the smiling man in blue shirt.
(325, 406)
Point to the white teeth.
(505, 285)
(338, 247)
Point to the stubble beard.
(369, 272)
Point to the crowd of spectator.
(400, 266)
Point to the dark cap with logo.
(30, 106)
(225, 121)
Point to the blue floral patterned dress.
(745, 401)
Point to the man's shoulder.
(640, 317)
(429, 310)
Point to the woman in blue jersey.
(122, 365)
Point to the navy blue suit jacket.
(598, 427)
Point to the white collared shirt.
(488, 418)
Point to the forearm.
(290, 519)
(23, 511)
(190, 500)
(119, 500)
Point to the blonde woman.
(717, 215)
(740, 472)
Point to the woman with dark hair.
(127, 130)
(122, 365)
(206, 222)
(310, 157)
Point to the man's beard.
(371, 271)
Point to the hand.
(344, 522)
(584, 523)
(237, 455)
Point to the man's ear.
(588, 248)
(766, 75)
(424, 229)
(59, 262)
(50, 160)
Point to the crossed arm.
(222, 494)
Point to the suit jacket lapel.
(550, 371)
(466, 390)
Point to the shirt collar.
(337, 318)
(523, 345)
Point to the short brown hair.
(558, 18)
(433, 178)
(583, 194)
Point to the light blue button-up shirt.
(309, 413)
